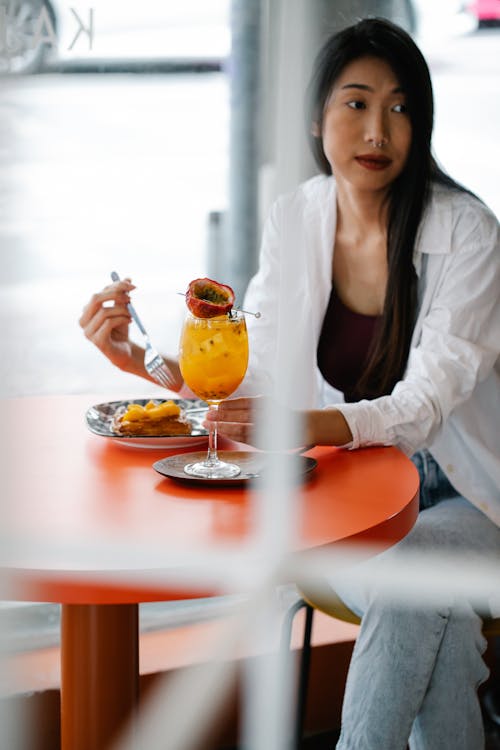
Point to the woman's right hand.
(105, 320)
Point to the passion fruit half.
(207, 298)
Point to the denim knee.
(434, 484)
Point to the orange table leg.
(99, 672)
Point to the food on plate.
(207, 298)
(165, 418)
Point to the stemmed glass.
(213, 358)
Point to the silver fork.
(153, 361)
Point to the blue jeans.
(415, 670)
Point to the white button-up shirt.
(449, 398)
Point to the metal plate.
(100, 417)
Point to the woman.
(392, 274)
(395, 277)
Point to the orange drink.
(213, 355)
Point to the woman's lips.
(370, 161)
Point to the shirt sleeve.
(458, 346)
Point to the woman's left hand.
(236, 418)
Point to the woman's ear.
(315, 130)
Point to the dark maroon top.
(343, 346)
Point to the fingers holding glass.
(236, 419)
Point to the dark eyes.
(357, 104)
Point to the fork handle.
(131, 309)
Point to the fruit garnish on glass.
(213, 358)
(206, 298)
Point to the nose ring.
(378, 144)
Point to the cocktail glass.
(213, 358)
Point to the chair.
(333, 606)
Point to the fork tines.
(160, 371)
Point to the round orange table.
(71, 495)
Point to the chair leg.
(304, 664)
(304, 672)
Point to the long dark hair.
(408, 195)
